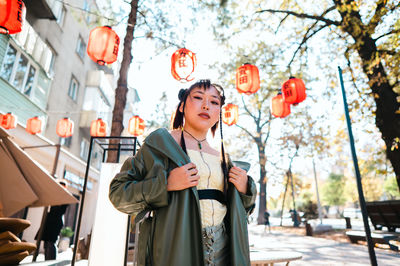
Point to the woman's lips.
(204, 115)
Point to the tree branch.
(389, 52)
(387, 33)
(302, 15)
(245, 130)
(248, 111)
(305, 39)
(380, 11)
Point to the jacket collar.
(162, 141)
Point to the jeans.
(215, 245)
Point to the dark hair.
(178, 120)
(184, 93)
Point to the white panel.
(107, 246)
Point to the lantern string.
(92, 13)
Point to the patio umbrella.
(25, 183)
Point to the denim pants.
(215, 245)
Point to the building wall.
(63, 39)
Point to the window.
(66, 141)
(86, 7)
(18, 70)
(84, 149)
(73, 89)
(59, 11)
(80, 47)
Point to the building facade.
(46, 72)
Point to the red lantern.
(230, 114)
(8, 121)
(103, 45)
(34, 125)
(65, 127)
(98, 128)
(136, 126)
(183, 63)
(12, 14)
(294, 90)
(279, 108)
(247, 79)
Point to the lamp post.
(371, 250)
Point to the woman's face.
(202, 108)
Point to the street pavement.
(317, 251)
(314, 250)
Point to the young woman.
(197, 201)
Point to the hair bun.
(181, 94)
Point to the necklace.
(198, 141)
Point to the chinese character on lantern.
(247, 79)
(230, 114)
(103, 45)
(294, 90)
(183, 63)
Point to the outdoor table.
(265, 258)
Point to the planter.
(63, 244)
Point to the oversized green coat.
(173, 236)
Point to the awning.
(23, 182)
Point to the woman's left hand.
(238, 177)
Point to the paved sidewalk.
(317, 251)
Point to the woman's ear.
(181, 107)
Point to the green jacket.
(173, 235)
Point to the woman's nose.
(205, 105)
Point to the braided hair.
(179, 119)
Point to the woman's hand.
(183, 177)
(238, 177)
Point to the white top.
(211, 177)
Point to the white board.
(107, 246)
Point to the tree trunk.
(122, 85)
(386, 118)
(263, 183)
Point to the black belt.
(213, 194)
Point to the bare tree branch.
(245, 130)
(389, 52)
(248, 111)
(380, 11)
(269, 129)
(302, 15)
(305, 39)
(387, 33)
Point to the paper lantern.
(294, 90)
(12, 15)
(183, 63)
(65, 127)
(247, 79)
(8, 121)
(136, 126)
(34, 125)
(279, 108)
(98, 128)
(230, 114)
(103, 45)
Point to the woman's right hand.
(183, 177)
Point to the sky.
(150, 75)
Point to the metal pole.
(81, 203)
(371, 250)
(316, 188)
(128, 229)
(284, 196)
(295, 221)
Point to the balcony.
(40, 8)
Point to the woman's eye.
(215, 103)
(197, 97)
